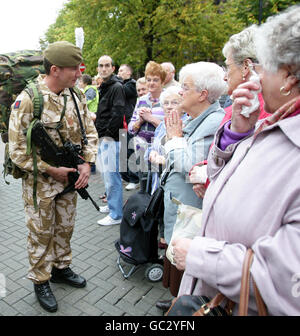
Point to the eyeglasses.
(226, 67)
(187, 86)
(171, 103)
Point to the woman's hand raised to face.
(173, 125)
(242, 96)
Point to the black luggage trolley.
(138, 243)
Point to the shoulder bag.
(194, 305)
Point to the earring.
(283, 92)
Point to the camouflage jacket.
(21, 117)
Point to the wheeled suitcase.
(138, 243)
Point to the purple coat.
(253, 200)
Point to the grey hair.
(141, 80)
(206, 76)
(241, 45)
(172, 90)
(278, 41)
(169, 65)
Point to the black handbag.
(155, 207)
(220, 305)
(193, 305)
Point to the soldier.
(51, 225)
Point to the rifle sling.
(84, 138)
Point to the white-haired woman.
(202, 85)
(253, 199)
(240, 53)
(170, 100)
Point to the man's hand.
(84, 175)
(60, 174)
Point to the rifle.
(66, 156)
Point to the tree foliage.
(137, 31)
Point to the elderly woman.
(250, 165)
(202, 85)
(170, 100)
(240, 53)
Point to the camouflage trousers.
(50, 231)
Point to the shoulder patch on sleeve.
(17, 104)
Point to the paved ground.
(94, 256)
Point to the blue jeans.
(108, 158)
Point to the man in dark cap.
(51, 223)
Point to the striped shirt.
(147, 130)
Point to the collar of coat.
(192, 124)
(290, 127)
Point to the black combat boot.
(67, 276)
(45, 296)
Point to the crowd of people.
(241, 170)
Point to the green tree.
(249, 11)
(137, 31)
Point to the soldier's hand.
(84, 174)
(60, 174)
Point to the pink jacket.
(253, 200)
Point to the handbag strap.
(215, 302)
(245, 288)
(165, 175)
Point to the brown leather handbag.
(194, 305)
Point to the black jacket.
(131, 96)
(111, 108)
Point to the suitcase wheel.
(154, 273)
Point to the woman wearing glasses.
(202, 85)
(253, 199)
(240, 54)
(170, 100)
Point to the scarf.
(287, 110)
